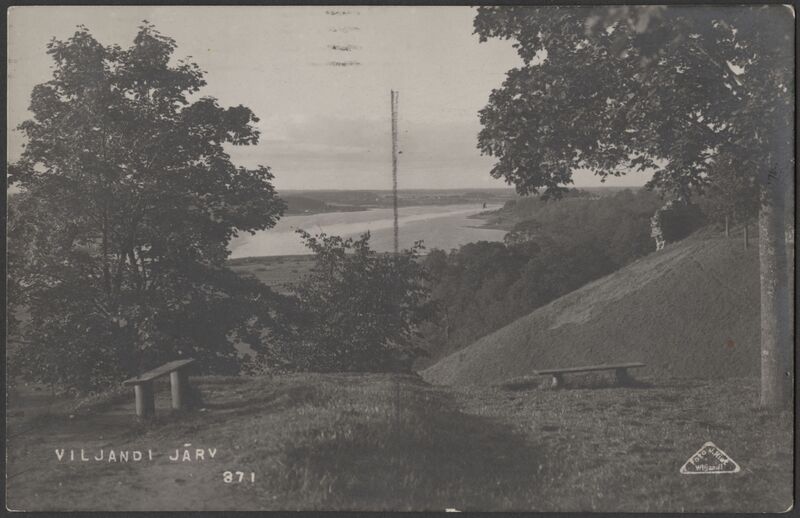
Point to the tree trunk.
(446, 327)
(118, 273)
(727, 231)
(776, 333)
(746, 237)
(106, 268)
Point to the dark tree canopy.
(615, 90)
(128, 200)
(730, 193)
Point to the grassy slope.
(342, 442)
(691, 310)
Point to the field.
(394, 442)
(278, 272)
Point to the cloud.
(369, 140)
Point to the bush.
(680, 220)
(357, 310)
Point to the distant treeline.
(305, 205)
(304, 202)
(552, 248)
(348, 200)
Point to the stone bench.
(143, 386)
(620, 369)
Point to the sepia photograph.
(532, 258)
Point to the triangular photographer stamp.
(710, 460)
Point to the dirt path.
(45, 471)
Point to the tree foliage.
(675, 90)
(667, 89)
(359, 310)
(730, 194)
(128, 200)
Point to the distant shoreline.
(379, 225)
(323, 201)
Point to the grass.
(615, 449)
(386, 442)
(314, 441)
(96, 403)
(711, 329)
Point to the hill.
(551, 249)
(690, 310)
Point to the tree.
(668, 89)
(731, 196)
(359, 310)
(118, 241)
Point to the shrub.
(358, 310)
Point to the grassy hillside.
(572, 205)
(690, 310)
(553, 248)
(378, 442)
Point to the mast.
(394, 97)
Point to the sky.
(323, 126)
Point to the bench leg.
(178, 383)
(622, 377)
(557, 382)
(145, 399)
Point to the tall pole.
(394, 96)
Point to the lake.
(439, 226)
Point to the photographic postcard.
(400, 258)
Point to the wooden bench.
(620, 369)
(143, 386)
